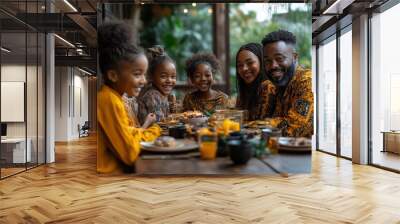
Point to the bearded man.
(290, 102)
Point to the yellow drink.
(208, 144)
(208, 150)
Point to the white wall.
(80, 110)
(71, 102)
(61, 103)
(13, 73)
(33, 127)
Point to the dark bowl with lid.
(177, 131)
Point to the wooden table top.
(292, 163)
(272, 164)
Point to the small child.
(200, 69)
(123, 67)
(157, 98)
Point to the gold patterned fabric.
(192, 101)
(267, 103)
(293, 111)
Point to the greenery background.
(244, 28)
(181, 34)
(184, 29)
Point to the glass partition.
(41, 97)
(327, 96)
(22, 87)
(31, 97)
(15, 151)
(346, 93)
(385, 89)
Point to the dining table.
(190, 163)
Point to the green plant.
(181, 34)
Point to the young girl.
(157, 98)
(252, 82)
(200, 69)
(123, 67)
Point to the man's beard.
(287, 76)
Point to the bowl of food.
(291, 144)
(259, 124)
(165, 141)
(234, 115)
(192, 114)
(169, 144)
(198, 121)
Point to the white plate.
(294, 149)
(289, 142)
(198, 120)
(181, 145)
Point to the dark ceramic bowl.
(237, 135)
(240, 151)
(222, 147)
(177, 131)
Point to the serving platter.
(260, 124)
(294, 144)
(181, 145)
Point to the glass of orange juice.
(208, 142)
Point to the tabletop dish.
(180, 146)
(257, 124)
(294, 144)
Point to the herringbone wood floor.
(70, 191)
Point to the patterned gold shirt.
(293, 112)
(192, 101)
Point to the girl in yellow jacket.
(123, 66)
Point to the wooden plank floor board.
(70, 191)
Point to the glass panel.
(346, 94)
(13, 86)
(31, 97)
(41, 98)
(22, 77)
(314, 83)
(385, 84)
(327, 97)
(79, 86)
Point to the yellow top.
(118, 139)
